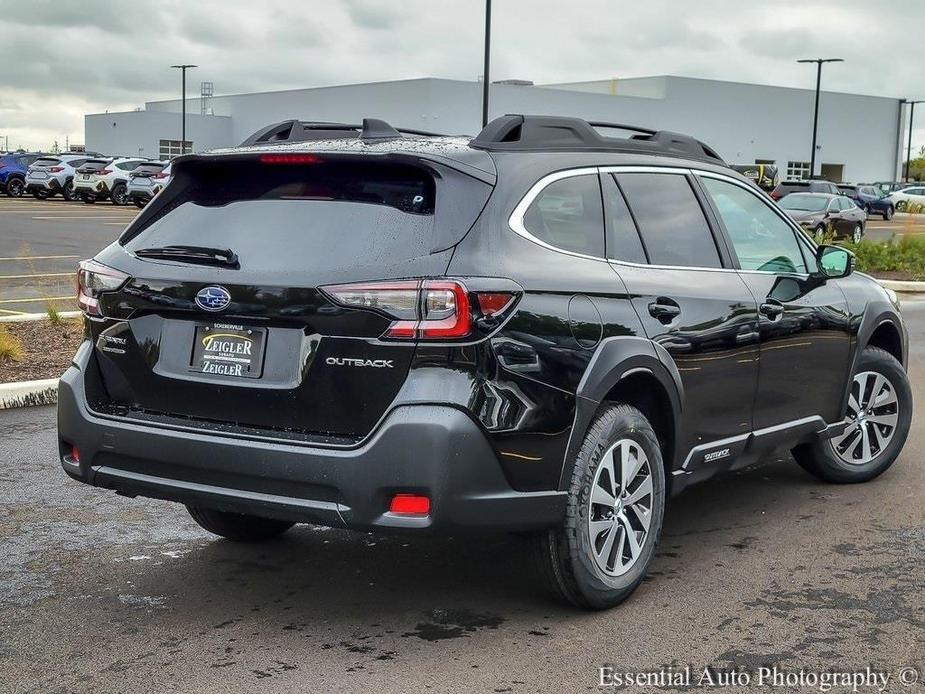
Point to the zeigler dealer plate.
(224, 349)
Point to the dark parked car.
(821, 212)
(13, 168)
(814, 186)
(870, 199)
(540, 329)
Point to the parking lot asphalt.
(767, 566)
(41, 242)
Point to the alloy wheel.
(856, 233)
(621, 507)
(873, 413)
(15, 188)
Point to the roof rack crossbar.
(371, 129)
(518, 132)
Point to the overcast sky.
(64, 58)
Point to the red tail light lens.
(160, 176)
(423, 309)
(289, 159)
(104, 172)
(94, 279)
(56, 169)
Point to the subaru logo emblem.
(213, 298)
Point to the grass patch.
(10, 347)
(905, 256)
(54, 315)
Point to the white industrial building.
(860, 137)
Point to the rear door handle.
(771, 309)
(664, 310)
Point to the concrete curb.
(27, 317)
(903, 285)
(28, 393)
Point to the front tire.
(901, 206)
(879, 416)
(616, 503)
(888, 214)
(857, 234)
(67, 192)
(238, 526)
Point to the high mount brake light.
(289, 159)
(93, 279)
(423, 309)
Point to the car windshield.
(804, 202)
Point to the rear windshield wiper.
(198, 255)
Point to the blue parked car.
(13, 167)
(869, 198)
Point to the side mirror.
(834, 262)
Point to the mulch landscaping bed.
(47, 349)
(896, 275)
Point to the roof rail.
(303, 131)
(518, 132)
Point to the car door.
(803, 319)
(690, 301)
(837, 219)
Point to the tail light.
(104, 172)
(94, 279)
(160, 176)
(56, 169)
(426, 309)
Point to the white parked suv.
(903, 199)
(54, 174)
(109, 182)
(147, 180)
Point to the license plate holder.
(228, 350)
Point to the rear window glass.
(329, 215)
(672, 224)
(46, 162)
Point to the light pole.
(183, 69)
(819, 62)
(909, 148)
(485, 77)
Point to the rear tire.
(67, 192)
(88, 199)
(15, 188)
(857, 234)
(888, 214)
(40, 195)
(877, 432)
(238, 526)
(591, 560)
(140, 204)
(118, 196)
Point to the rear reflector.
(410, 505)
(75, 454)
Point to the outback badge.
(213, 298)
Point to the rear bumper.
(434, 450)
(50, 184)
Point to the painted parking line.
(36, 276)
(36, 299)
(41, 257)
(7, 312)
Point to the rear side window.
(568, 214)
(623, 242)
(671, 221)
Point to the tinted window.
(623, 241)
(762, 240)
(568, 214)
(46, 162)
(671, 222)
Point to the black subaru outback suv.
(541, 329)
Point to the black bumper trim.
(434, 450)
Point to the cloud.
(95, 55)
